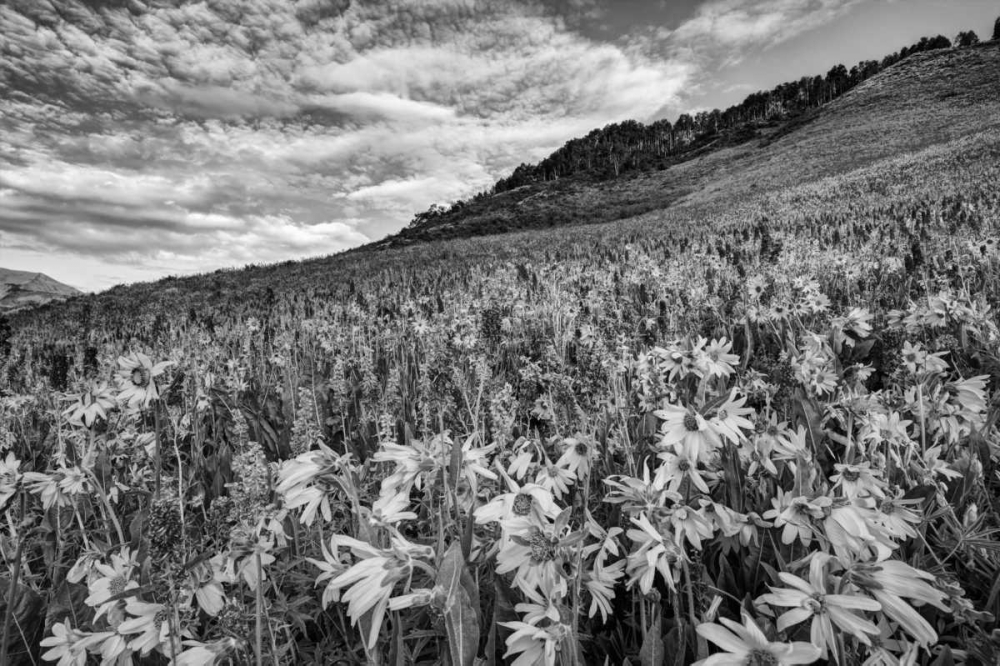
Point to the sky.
(146, 138)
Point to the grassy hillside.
(778, 394)
(926, 99)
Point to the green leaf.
(653, 650)
(461, 612)
(28, 622)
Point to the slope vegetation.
(927, 99)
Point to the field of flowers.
(767, 437)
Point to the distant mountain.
(22, 289)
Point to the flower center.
(723, 414)
(581, 449)
(140, 377)
(117, 585)
(815, 603)
(772, 430)
(162, 615)
(522, 504)
(851, 475)
(683, 464)
(690, 422)
(761, 658)
(543, 548)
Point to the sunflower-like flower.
(90, 405)
(136, 375)
(152, 623)
(520, 508)
(70, 645)
(10, 477)
(747, 644)
(810, 600)
(114, 579)
(310, 478)
(684, 424)
(678, 465)
(653, 550)
(540, 555)
(535, 646)
(889, 582)
(372, 578)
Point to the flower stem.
(15, 578)
(258, 630)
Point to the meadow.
(758, 433)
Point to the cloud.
(734, 24)
(162, 135)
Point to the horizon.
(164, 142)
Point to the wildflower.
(854, 480)
(677, 467)
(889, 581)
(759, 455)
(309, 479)
(151, 621)
(681, 424)
(536, 646)
(388, 510)
(746, 644)
(372, 578)
(47, 486)
(10, 477)
(204, 654)
(136, 373)
(654, 551)
(637, 495)
(716, 361)
(809, 599)
(73, 481)
(690, 525)
(519, 508)
(70, 645)
(521, 463)
(794, 515)
(577, 456)
(206, 580)
(415, 462)
(600, 583)
(115, 578)
(895, 518)
(555, 479)
(851, 527)
(729, 419)
(90, 405)
(473, 463)
(540, 555)
(913, 357)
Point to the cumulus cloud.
(175, 136)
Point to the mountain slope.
(21, 289)
(927, 99)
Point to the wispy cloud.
(173, 137)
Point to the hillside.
(929, 98)
(22, 289)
